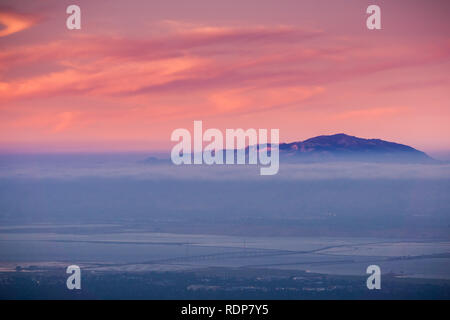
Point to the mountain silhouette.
(342, 147)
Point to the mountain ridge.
(346, 147)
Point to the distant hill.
(342, 147)
(156, 161)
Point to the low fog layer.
(135, 166)
(327, 199)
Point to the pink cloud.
(90, 84)
(198, 59)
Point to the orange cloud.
(244, 100)
(370, 113)
(13, 22)
(65, 119)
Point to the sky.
(137, 70)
